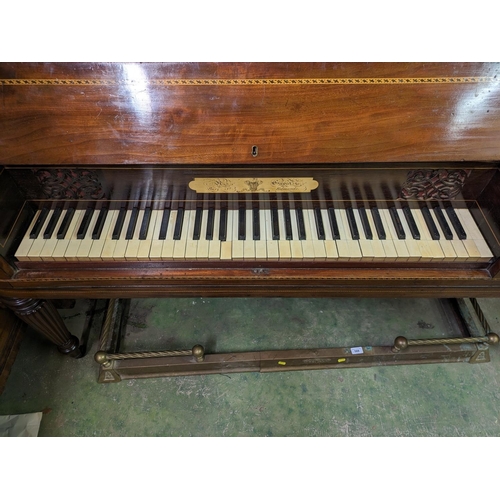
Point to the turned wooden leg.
(42, 316)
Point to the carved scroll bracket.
(437, 184)
(70, 184)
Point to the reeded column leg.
(42, 316)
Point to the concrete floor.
(425, 400)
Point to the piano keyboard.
(348, 234)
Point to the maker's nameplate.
(254, 185)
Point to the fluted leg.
(42, 316)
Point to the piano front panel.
(108, 152)
(216, 113)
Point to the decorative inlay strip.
(262, 277)
(250, 81)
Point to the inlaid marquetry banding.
(249, 81)
(259, 277)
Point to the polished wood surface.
(147, 114)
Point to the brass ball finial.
(100, 357)
(198, 352)
(493, 338)
(400, 343)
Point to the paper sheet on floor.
(26, 425)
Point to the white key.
(351, 248)
(156, 243)
(120, 246)
(215, 244)
(249, 243)
(461, 252)
(62, 246)
(446, 245)
(364, 244)
(431, 249)
(237, 244)
(412, 245)
(86, 244)
(133, 244)
(191, 244)
(295, 243)
(474, 233)
(382, 249)
(50, 243)
(98, 245)
(272, 245)
(180, 244)
(145, 245)
(74, 242)
(392, 241)
(317, 244)
(226, 246)
(38, 243)
(203, 243)
(330, 244)
(25, 245)
(307, 244)
(167, 250)
(283, 243)
(108, 243)
(260, 245)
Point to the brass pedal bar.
(401, 343)
(115, 366)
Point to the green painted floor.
(425, 400)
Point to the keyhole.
(255, 151)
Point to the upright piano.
(236, 180)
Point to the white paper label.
(356, 350)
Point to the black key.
(178, 224)
(210, 224)
(275, 224)
(411, 222)
(117, 231)
(320, 228)
(101, 219)
(164, 224)
(146, 218)
(455, 222)
(52, 224)
(430, 223)
(35, 231)
(300, 224)
(442, 222)
(82, 231)
(365, 223)
(352, 223)
(132, 223)
(242, 218)
(197, 223)
(333, 224)
(256, 224)
(378, 223)
(288, 223)
(63, 228)
(397, 222)
(223, 224)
